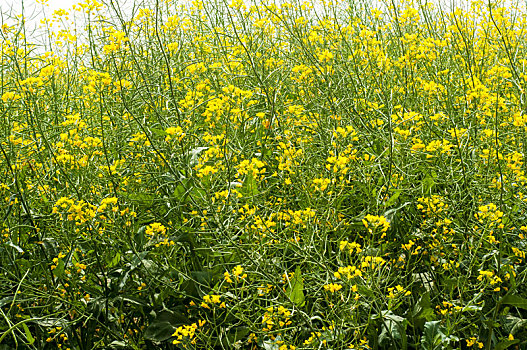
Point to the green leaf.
(365, 291)
(515, 300)
(6, 300)
(505, 344)
(180, 192)
(50, 322)
(29, 336)
(198, 193)
(116, 344)
(159, 331)
(123, 281)
(393, 328)
(423, 308)
(14, 246)
(434, 336)
(390, 214)
(194, 155)
(514, 325)
(158, 132)
(204, 277)
(59, 270)
(270, 345)
(144, 199)
(295, 292)
(394, 197)
(139, 238)
(115, 261)
(132, 300)
(184, 237)
(164, 325)
(250, 186)
(422, 311)
(429, 182)
(234, 335)
(175, 318)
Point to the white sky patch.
(35, 13)
(32, 7)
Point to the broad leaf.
(434, 336)
(295, 292)
(393, 329)
(159, 331)
(29, 336)
(164, 325)
(506, 343)
(515, 300)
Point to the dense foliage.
(229, 175)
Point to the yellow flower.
(10, 96)
(237, 271)
(174, 131)
(372, 222)
(333, 287)
(227, 277)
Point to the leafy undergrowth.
(264, 176)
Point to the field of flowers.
(271, 175)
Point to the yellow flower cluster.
(212, 299)
(77, 211)
(253, 167)
(332, 287)
(275, 318)
(431, 205)
(174, 132)
(489, 213)
(397, 291)
(350, 246)
(237, 272)
(348, 271)
(117, 39)
(187, 333)
(474, 341)
(376, 223)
